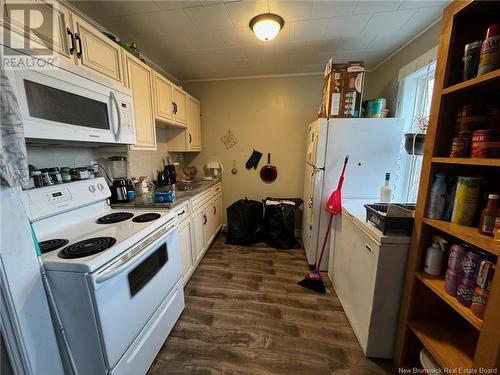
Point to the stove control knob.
(100, 187)
(92, 188)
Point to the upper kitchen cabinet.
(95, 51)
(163, 99)
(140, 81)
(187, 139)
(193, 136)
(180, 106)
(51, 35)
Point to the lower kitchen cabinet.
(186, 248)
(204, 223)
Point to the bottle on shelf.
(488, 216)
(385, 190)
(438, 197)
(434, 256)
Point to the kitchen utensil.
(234, 170)
(268, 172)
(253, 160)
(190, 172)
(313, 281)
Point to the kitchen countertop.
(183, 196)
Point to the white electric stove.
(115, 274)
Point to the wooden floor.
(245, 314)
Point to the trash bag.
(279, 222)
(244, 222)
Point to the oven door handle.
(118, 129)
(132, 260)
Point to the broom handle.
(324, 243)
(341, 180)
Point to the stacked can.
(454, 271)
(470, 268)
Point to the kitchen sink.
(182, 186)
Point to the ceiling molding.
(406, 44)
(252, 77)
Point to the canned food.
(459, 147)
(485, 143)
(465, 292)
(452, 279)
(466, 196)
(457, 253)
(469, 123)
(470, 265)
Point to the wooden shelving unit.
(430, 317)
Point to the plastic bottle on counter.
(438, 197)
(434, 256)
(488, 216)
(385, 190)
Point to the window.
(414, 104)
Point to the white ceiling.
(211, 39)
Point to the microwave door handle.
(116, 271)
(119, 127)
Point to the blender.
(119, 186)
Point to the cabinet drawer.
(217, 189)
(182, 213)
(200, 199)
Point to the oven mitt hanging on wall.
(254, 159)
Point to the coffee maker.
(120, 185)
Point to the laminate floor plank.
(245, 314)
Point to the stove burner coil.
(53, 244)
(114, 218)
(87, 247)
(144, 218)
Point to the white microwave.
(58, 104)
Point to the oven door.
(57, 104)
(129, 291)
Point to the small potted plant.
(414, 142)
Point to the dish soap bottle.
(438, 197)
(434, 256)
(385, 190)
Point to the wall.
(140, 163)
(268, 114)
(383, 82)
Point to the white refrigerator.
(373, 146)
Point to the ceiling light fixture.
(266, 26)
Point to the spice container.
(471, 59)
(55, 175)
(485, 143)
(82, 173)
(482, 291)
(37, 178)
(489, 60)
(74, 174)
(465, 292)
(65, 174)
(488, 216)
(466, 196)
(47, 180)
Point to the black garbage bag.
(279, 222)
(244, 222)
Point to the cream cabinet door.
(193, 131)
(140, 81)
(199, 221)
(163, 99)
(33, 32)
(209, 225)
(185, 248)
(217, 214)
(97, 52)
(180, 106)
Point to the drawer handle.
(205, 219)
(72, 48)
(79, 53)
(181, 213)
(369, 248)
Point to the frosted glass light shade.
(266, 26)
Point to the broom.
(313, 281)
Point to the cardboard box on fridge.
(345, 88)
